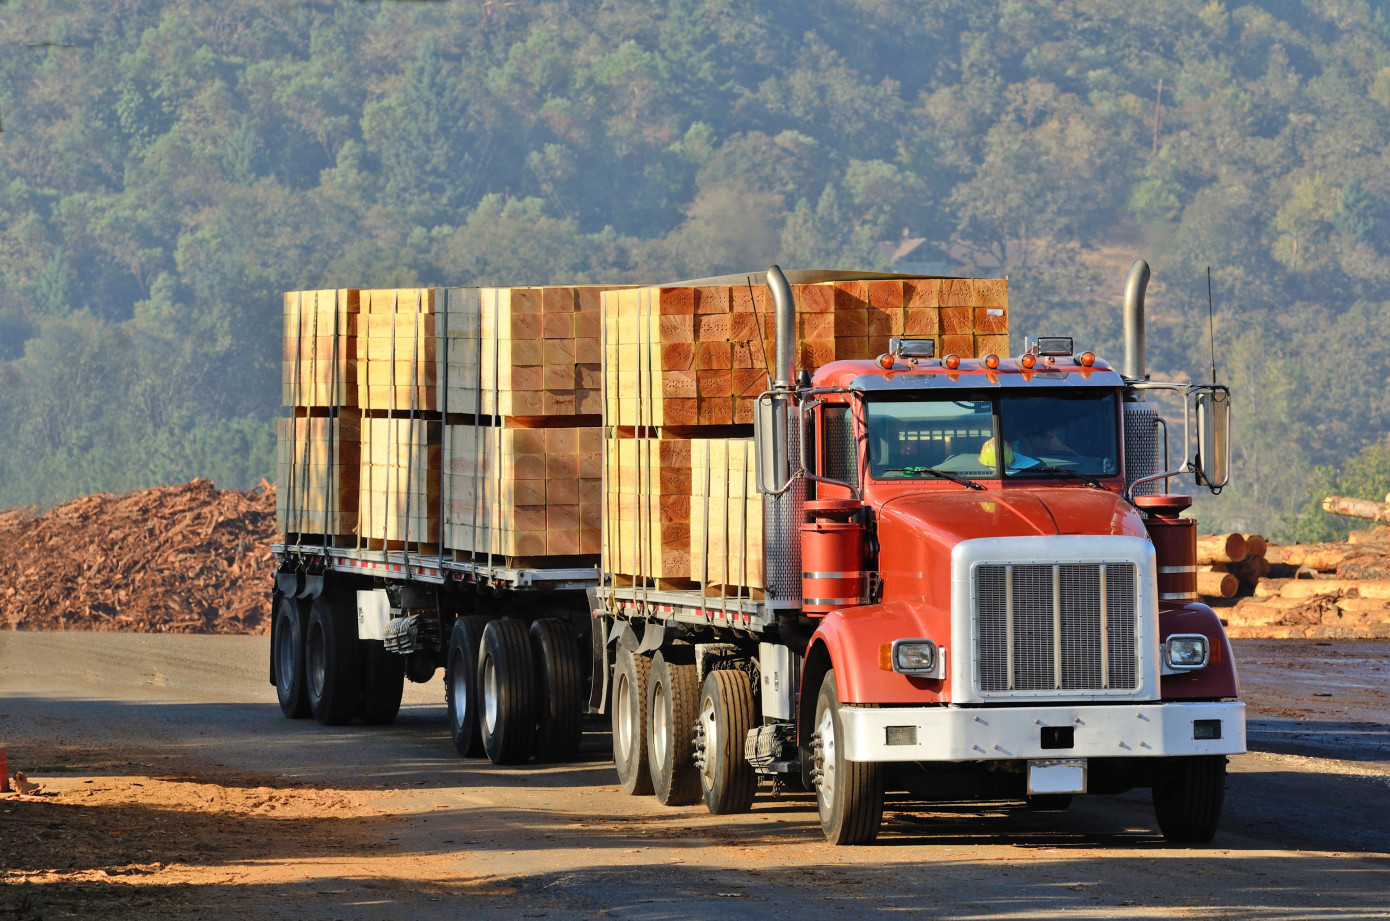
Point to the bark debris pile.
(172, 559)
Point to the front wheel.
(1188, 802)
(849, 794)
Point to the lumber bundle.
(399, 484)
(726, 516)
(525, 352)
(172, 559)
(646, 510)
(316, 464)
(520, 493)
(319, 353)
(686, 356)
(399, 336)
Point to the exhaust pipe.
(1135, 287)
(784, 354)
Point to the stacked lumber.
(683, 367)
(684, 356)
(399, 484)
(172, 559)
(523, 492)
(317, 465)
(1230, 565)
(726, 516)
(319, 354)
(646, 510)
(399, 336)
(318, 444)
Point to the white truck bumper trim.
(1147, 730)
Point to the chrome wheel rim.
(284, 652)
(458, 692)
(709, 741)
(660, 727)
(623, 730)
(490, 703)
(825, 784)
(317, 662)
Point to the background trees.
(167, 169)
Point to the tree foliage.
(166, 169)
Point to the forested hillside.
(167, 169)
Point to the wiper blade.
(1060, 471)
(939, 474)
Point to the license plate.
(1057, 776)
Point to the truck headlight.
(914, 657)
(1186, 652)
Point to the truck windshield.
(1043, 435)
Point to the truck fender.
(850, 641)
(1218, 680)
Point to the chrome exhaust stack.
(1135, 287)
(784, 307)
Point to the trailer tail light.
(951, 361)
(991, 361)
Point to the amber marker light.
(1087, 359)
(951, 361)
(1028, 360)
(885, 361)
(991, 361)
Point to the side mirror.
(770, 443)
(1213, 462)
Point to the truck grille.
(1056, 628)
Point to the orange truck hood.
(947, 518)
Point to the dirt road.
(178, 790)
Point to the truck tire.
(673, 693)
(1188, 802)
(507, 686)
(849, 794)
(331, 660)
(726, 715)
(461, 685)
(630, 676)
(383, 682)
(559, 690)
(287, 652)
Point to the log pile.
(1324, 591)
(683, 367)
(173, 559)
(1230, 565)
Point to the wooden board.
(726, 516)
(317, 467)
(700, 356)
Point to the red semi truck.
(974, 590)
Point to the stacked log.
(1230, 565)
(683, 368)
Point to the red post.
(4, 773)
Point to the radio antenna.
(1211, 327)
